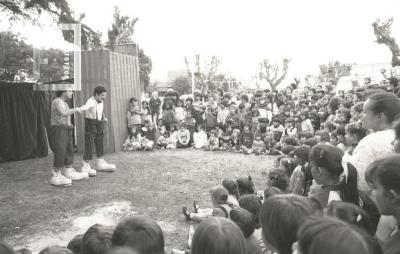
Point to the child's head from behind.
(301, 154)
(252, 204)
(351, 214)
(326, 163)
(331, 236)
(279, 179)
(219, 195)
(354, 132)
(231, 186)
(75, 245)
(244, 220)
(140, 233)
(281, 216)
(245, 186)
(217, 235)
(55, 250)
(97, 239)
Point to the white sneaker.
(87, 169)
(73, 175)
(59, 180)
(102, 165)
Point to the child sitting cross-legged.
(149, 139)
(183, 136)
(134, 140)
(221, 208)
(213, 141)
(200, 138)
(173, 137)
(258, 146)
(162, 141)
(235, 141)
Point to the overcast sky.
(241, 33)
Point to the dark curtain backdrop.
(24, 117)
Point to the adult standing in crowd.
(61, 142)
(94, 133)
(155, 105)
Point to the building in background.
(172, 75)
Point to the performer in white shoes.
(94, 133)
(60, 140)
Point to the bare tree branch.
(383, 36)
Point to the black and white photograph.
(199, 127)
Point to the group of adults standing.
(61, 137)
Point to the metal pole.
(193, 78)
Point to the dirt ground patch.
(154, 183)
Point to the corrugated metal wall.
(124, 80)
(119, 74)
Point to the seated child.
(246, 140)
(252, 204)
(258, 146)
(277, 128)
(140, 233)
(245, 186)
(97, 239)
(317, 235)
(329, 185)
(351, 214)
(269, 141)
(183, 137)
(231, 187)
(200, 138)
(277, 178)
(296, 183)
(213, 141)
(235, 141)
(75, 244)
(173, 137)
(221, 208)
(134, 140)
(280, 217)
(163, 140)
(225, 140)
(230, 238)
(149, 139)
(245, 222)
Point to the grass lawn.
(155, 183)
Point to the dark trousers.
(94, 134)
(60, 139)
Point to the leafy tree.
(182, 85)
(383, 36)
(90, 39)
(270, 72)
(121, 30)
(15, 55)
(30, 9)
(145, 66)
(332, 71)
(203, 75)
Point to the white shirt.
(373, 147)
(95, 110)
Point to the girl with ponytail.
(332, 181)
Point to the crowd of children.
(334, 188)
(263, 123)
